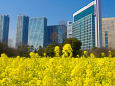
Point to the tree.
(40, 51)
(75, 44)
(2, 48)
(50, 50)
(61, 48)
(98, 51)
(11, 52)
(24, 50)
(113, 52)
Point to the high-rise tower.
(37, 32)
(98, 27)
(87, 25)
(4, 28)
(22, 30)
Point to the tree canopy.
(75, 44)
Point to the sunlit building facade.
(108, 32)
(87, 26)
(22, 30)
(37, 32)
(69, 29)
(56, 34)
(4, 28)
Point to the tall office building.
(69, 29)
(37, 32)
(22, 30)
(56, 34)
(4, 28)
(87, 26)
(108, 32)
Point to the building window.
(106, 38)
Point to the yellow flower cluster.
(34, 55)
(56, 71)
(67, 50)
(57, 51)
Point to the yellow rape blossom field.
(57, 71)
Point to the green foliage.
(9, 51)
(99, 51)
(113, 53)
(40, 51)
(61, 48)
(75, 44)
(49, 50)
(24, 51)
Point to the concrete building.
(69, 29)
(22, 30)
(4, 28)
(108, 32)
(87, 25)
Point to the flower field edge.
(57, 71)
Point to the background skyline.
(54, 10)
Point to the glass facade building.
(37, 32)
(56, 34)
(22, 30)
(4, 28)
(87, 26)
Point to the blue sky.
(54, 10)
